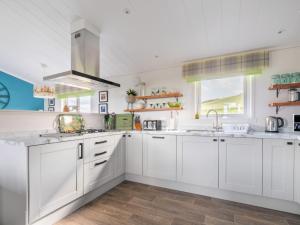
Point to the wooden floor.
(139, 204)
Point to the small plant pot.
(130, 99)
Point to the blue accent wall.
(21, 94)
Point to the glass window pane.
(85, 104)
(225, 95)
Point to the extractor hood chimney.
(85, 59)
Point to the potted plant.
(131, 94)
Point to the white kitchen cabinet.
(297, 172)
(120, 155)
(159, 156)
(134, 153)
(198, 160)
(97, 173)
(55, 176)
(240, 165)
(278, 176)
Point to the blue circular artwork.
(4, 96)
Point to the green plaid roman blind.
(246, 63)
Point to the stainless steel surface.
(294, 95)
(217, 127)
(59, 135)
(273, 123)
(85, 61)
(65, 135)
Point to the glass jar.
(285, 78)
(276, 79)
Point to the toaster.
(152, 124)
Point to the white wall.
(281, 61)
(13, 121)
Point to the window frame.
(248, 100)
(62, 101)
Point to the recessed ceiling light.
(126, 11)
(281, 31)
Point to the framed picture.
(51, 102)
(103, 108)
(51, 109)
(103, 96)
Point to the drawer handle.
(289, 143)
(129, 135)
(215, 139)
(101, 153)
(222, 140)
(99, 163)
(158, 137)
(100, 142)
(80, 151)
(124, 135)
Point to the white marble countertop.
(33, 138)
(252, 134)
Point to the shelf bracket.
(277, 109)
(277, 92)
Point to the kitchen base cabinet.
(120, 155)
(278, 169)
(55, 176)
(97, 173)
(297, 172)
(240, 165)
(198, 160)
(159, 156)
(134, 153)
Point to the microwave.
(296, 122)
(152, 125)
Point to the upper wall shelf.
(170, 95)
(284, 86)
(153, 110)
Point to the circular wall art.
(4, 96)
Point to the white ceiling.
(38, 31)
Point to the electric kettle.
(273, 123)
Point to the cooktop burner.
(61, 135)
(91, 131)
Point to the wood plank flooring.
(137, 204)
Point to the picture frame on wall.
(51, 102)
(51, 109)
(103, 108)
(103, 96)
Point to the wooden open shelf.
(284, 86)
(279, 104)
(170, 95)
(152, 110)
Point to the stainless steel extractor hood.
(84, 72)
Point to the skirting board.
(68, 209)
(260, 201)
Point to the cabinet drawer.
(98, 148)
(97, 173)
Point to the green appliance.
(124, 121)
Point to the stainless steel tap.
(217, 127)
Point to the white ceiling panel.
(38, 31)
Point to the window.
(80, 104)
(226, 95)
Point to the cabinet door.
(198, 160)
(278, 168)
(297, 173)
(55, 177)
(240, 165)
(159, 156)
(97, 173)
(120, 155)
(134, 153)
